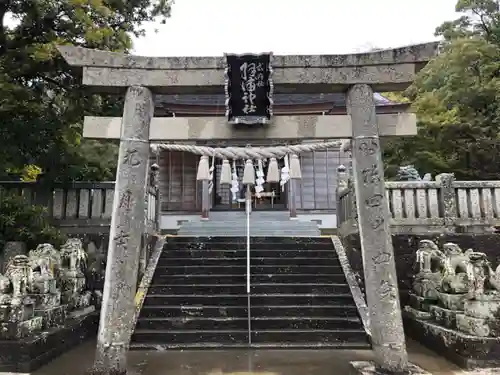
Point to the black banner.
(249, 88)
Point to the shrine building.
(315, 198)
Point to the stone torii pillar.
(127, 227)
(388, 339)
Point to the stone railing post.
(388, 339)
(126, 232)
(447, 198)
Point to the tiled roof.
(336, 99)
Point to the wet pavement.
(241, 362)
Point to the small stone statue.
(21, 276)
(456, 264)
(429, 265)
(74, 278)
(477, 272)
(5, 297)
(455, 289)
(50, 256)
(494, 278)
(408, 173)
(73, 251)
(427, 253)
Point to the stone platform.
(468, 352)
(29, 354)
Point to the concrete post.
(127, 227)
(388, 338)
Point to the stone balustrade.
(431, 206)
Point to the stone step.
(241, 278)
(253, 223)
(337, 336)
(242, 240)
(206, 311)
(299, 296)
(242, 232)
(221, 215)
(243, 225)
(237, 324)
(152, 346)
(231, 226)
(189, 337)
(238, 289)
(241, 261)
(332, 337)
(254, 270)
(241, 300)
(256, 250)
(235, 227)
(265, 248)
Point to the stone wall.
(405, 247)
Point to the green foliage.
(21, 221)
(42, 101)
(456, 98)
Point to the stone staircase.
(262, 224)
(299, 296)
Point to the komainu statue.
(45, 263)
(21, 276)
(5, 290)
(428, 267)
(456, 289)
(456, 264)
(74, 258)
(46, 258)
(408, 173)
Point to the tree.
(456, 98)
(42, 103)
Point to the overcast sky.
(212, 27)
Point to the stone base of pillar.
(369, 368)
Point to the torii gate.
(359, 75)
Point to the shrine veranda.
(249, 102)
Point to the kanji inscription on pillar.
(374, 228)
(127, 227)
